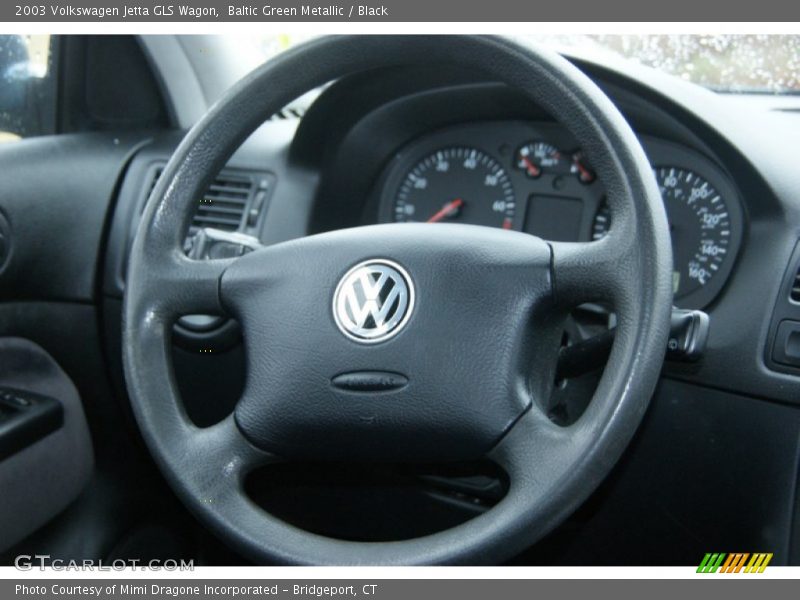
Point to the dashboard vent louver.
(225, 202)
(794, 293)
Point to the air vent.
(794, 293)
(224, 204)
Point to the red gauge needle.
(447, 210)
(586, 174)
(532, 168)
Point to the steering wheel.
(401, 342)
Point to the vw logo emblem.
(373, 301)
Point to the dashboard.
(532, 177)
(394, 147)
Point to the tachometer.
(457, 184)
(700, 227)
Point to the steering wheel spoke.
(591, 272)
(532, 449)
(227, 455)
(184, 286)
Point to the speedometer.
(700, 227)
(459, 185)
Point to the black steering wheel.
(401, 342)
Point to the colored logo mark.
(736, 562)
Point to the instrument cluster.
(533, 178)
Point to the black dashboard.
(360, 152)
(419, 145)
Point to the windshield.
(724, 63)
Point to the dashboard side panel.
(55, 193)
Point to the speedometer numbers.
(700, 227)
(457, 184)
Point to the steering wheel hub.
(461, 341)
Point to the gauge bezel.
(667, 154)
(414, 153)
(423, 168)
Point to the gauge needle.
(448, 210)
(532, 168)
(586, 174)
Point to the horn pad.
(450, 309)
